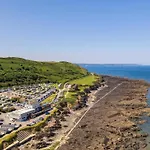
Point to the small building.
(22, 114)
(33, 104)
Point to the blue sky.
(80, 31)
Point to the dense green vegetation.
(16, 71)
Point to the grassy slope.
(88, 80)
(21, 71)
(49, 99)
(83, 83)
(71, 97)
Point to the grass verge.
(49, 99)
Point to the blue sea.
(128, 71)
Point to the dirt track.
(107, 125)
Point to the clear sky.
(80, 31)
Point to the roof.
(23, 111)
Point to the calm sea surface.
(129, 71)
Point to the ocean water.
(128, 71)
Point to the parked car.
(41, 119)
(47, 113)
(1, 120)
(2, 133)
(29, 124)
(33, 123)
(13, 119)
(17, 126)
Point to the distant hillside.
(16, 71)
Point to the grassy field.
(88, 80)
(71, 97)
(83, 83)
(16, 71)
(49, 99)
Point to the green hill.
(16, 71)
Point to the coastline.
(113, 122)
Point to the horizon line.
(135, 64)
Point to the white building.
(22, 114)
(33, 104)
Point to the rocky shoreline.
(113, 122)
